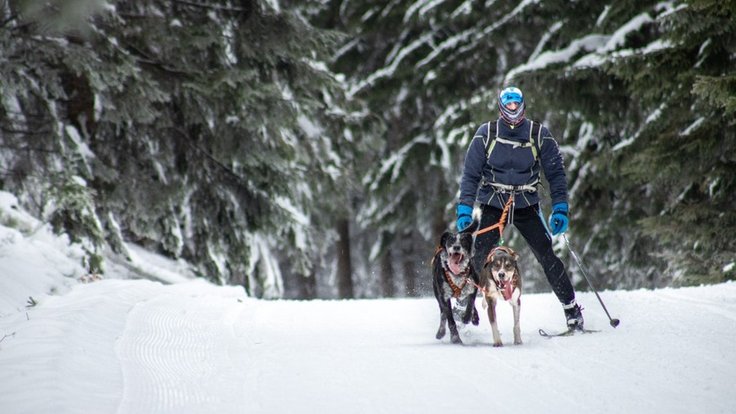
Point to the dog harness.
(456, 290)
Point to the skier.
(504, 160)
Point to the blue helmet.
(511, 94)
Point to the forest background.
(313, 149)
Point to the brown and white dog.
(455, 280)
(502, 282)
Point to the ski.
(569, 332)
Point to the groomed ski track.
(123, 346)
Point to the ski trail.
(721, 308)
(175, 355)
(142, 347)
(70, 334)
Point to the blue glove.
(558, 220)
(464, 216)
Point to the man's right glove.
(558, 220)
(464, 216)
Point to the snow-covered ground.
(121, 345)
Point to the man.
(504, 160)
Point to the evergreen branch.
(25, 131)
(212, 6)
(143, 57)
(22, 175)
(13, 16)
(8, 20)
(234, 178)
(30, 149)
(209, 156)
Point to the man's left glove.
(558, 220)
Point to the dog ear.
(488, 261)
(444, 238)
(466, 238)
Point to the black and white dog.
(454, 277)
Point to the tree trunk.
(344, 265)
(411, 277)
(387, 275)
(307, 286)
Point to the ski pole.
(614, 322)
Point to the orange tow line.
(501, 223)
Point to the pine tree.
(650, 136)
(208, 131)
(633, 91)
(692, 84)
(430, 71)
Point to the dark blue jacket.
(511, 165)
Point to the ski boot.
(574, 316)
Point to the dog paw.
(498, 344)
(456, 339)
(440, 333)
(471, 316)
(518, 342)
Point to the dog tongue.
(508, 289)
(454, 263)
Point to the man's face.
(511, 106)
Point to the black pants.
(531, 227)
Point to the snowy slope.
(138, 346)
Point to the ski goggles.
(510, 94)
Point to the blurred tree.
(633, 90)
(208, 131)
